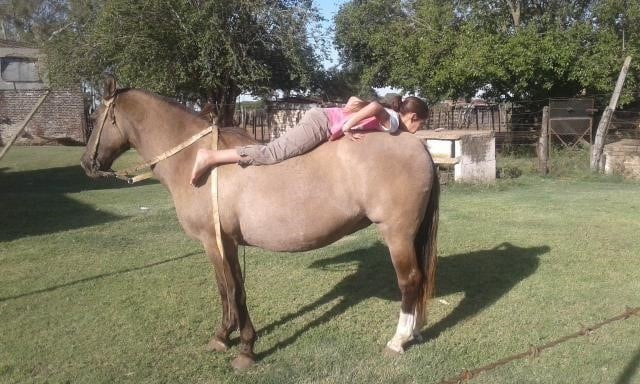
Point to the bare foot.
(203, 164)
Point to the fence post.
(543, 143)
(14, 137)
(603, 126)
(493, 125)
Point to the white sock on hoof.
(404, 331)
(418, 327)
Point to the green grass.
(98, 284)
(563, 164)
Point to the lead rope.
(216, 216)
(244, 264)
(108, 104)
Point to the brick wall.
(59, 120)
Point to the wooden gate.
(571, 121)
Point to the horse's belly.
(298, 230)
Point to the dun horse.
(303, 203)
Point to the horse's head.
(108, 140)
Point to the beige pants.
(312, 130)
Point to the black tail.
(426, 246)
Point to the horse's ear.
(110, 87)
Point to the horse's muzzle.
(91, 167)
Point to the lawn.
(98, 284)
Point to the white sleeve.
(394, 121)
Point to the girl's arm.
(373, 109)
(354, 104)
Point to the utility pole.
(603, 126)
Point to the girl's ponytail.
(393, 102)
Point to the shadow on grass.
(484, 276)
(630, 370)
(97, 277)
(34, 202)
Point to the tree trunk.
(224, 101)
(227, 108)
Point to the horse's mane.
(173, 102)
(230, 135)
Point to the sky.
(328, 9)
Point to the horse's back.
(339, 187)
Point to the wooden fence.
(267, 124)
(492, 117)
(516, 127)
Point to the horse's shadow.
(630, 370)
(36, 202)
(484, 276)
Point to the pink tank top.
(337, 118)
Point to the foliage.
(210, 50)
(518, 50)
(338, 84)
(31, 20)
(100, 285)
(563, 163)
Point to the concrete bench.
(446, 162)
(471, 154)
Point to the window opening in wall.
(19, 69)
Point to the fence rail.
(535, 351)
(494, 117)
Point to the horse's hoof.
(394, 348)
(390, 352)
(216, 345)
(242, 363)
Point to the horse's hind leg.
(403, 256)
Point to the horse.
(303, 203)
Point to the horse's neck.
(161, 128)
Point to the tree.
(364, 33)
(210, 50)
(30, 20)
(338, 84)
(513, 49)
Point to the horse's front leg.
(238, 301)
(235, 315)
(220, 340)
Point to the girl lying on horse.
(319, 125)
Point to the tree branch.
(514, 8)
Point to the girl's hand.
(335, 136)
(354, 136)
